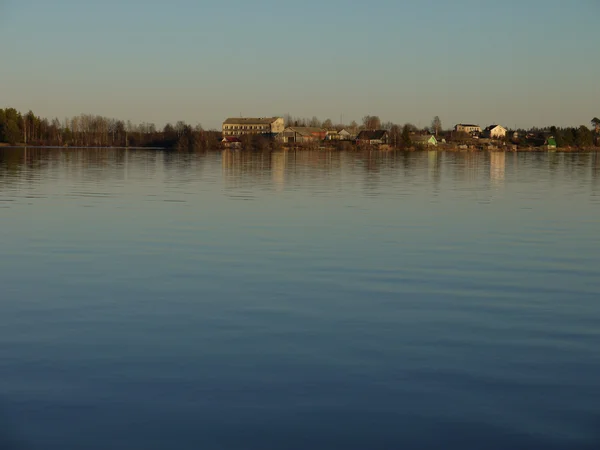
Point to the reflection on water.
(276, 170)
(497, 167)
(295, 300)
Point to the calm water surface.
(154, 300)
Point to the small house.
(551, 143)
(425, 140)
(333, 135)
(302, 135)
(231, 142)
(341, 135)
(373, 137)
(495, 132)
(345, 135)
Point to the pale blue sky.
(523, 63)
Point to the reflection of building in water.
(497, 167)
(323, 161)
(467, 165)
(278, 166)
(434, 161)
(244, 169)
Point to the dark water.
(154, 300)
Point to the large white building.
(467, 128)
(239, 126)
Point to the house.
(373, 137)
(495, 132)
(341, 135)
(345, 135)
(231, 142)
(551, 143)
(300, 135)
(467, 128)
(333, 135)
(239, 126)
(425, 140)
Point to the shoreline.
(351, 148)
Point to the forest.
(87, 130)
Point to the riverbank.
(349, 147)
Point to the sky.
(518, 63)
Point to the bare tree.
(411, 128)
(395, 135)
(436, 125)
(315, 122)
(372, 122)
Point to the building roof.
(305, 131)
(466, 125)
(251, 120)
(371, 135)
(491, 127)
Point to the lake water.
(156, 300)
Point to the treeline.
(291, 121)
(574, 137)
(368, 122)
(87, 130)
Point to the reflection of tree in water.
(314, 168)
(577, 164)
(468, 166)
(408, 162)
(595, 170)
(98, 165)
(372, 172)
(554, 159)
(372, 162)
(183, 167)
(11, 161)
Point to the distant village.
(272, 133)
(237, 131)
